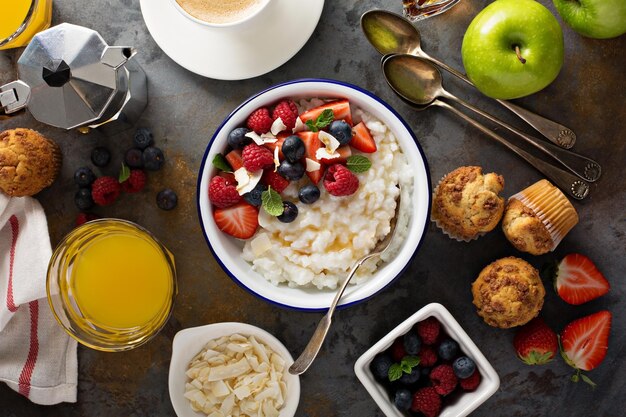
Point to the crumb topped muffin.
(29, 162)
(508, 293)
(466, 203)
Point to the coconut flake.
(261, 139)
(246, 180)
(299, 127)
(260, 244)
(278, 126)
(329, 140)
(322, 153)
(276, 159)
(312, 165)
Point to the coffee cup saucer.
(273, 37)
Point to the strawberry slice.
(362, 139)
(578, 280)
(584, 342)
(234, 159)
(240, 220)
(344, 153)
(278, 144)
(228, 175)
(311, 145)
(340, 108)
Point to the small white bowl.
(188, 342)
(467, 402)
(228, 251)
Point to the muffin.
(466, 203)
(537, 218)
(29, 162)
(508, 293)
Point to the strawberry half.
(234, 159)
(578, 281)
(311, 145)
(278, 144)
(362, 139)
(535, 343)
(240, 220)
(340, 108)
(344, 153)
(584, 342)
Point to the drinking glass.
(20, 20)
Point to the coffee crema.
(220, 11)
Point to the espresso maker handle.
(14, 96)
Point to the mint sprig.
(124, 174)
(358, 163)
(321, 121)
(271, 202)
(220, 162)
(405, 366)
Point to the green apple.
(600, 19)
(513, 48)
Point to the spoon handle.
(569, 183)
(585, 168)
(553, 131)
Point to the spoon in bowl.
(390, 33)
(311, 350)
(405, 74)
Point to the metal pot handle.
(14, 96)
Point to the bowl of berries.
(427, 365)
(302, 180)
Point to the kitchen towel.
(37, 358)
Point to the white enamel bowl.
(227, 251)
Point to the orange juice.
(34, 15)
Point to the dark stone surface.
(184, 109)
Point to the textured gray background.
(589, 96)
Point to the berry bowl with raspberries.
(301, 181)
(427, 366)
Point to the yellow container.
(111, 284)
(20, 20)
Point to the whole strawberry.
(256, 157)
(535, 343)
(105, 190)
(426, 401)
(222, 192)
(288, 113)
(340, 181)
(260, 121)
(135, 182)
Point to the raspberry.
(135, 182)
(427, 401)
(256, 157)
(443, 379)
(274, 180)
(427, 356)
(429, 330)
(340, 181)
(222, 192)
(471, 383)
(288, 113)
(397, 350)
(105, 191)
(83, 218)
(260, 121)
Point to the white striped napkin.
(37, 358)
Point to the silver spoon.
(390, 33)
(313, 347)
(404, 74)
(428, 85)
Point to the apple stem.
(519, 55)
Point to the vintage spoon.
(403, 76)
(391, 33)
(313, 347)
(428, 85)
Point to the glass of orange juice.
(111, 284)
(20, 20)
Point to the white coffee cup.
(238, 18)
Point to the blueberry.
(290, 212)
(83, 199)
(237, 138)
(143, 138)
(403, 399)
(100, 156)
(84, 177)
(425, 372)
(293, 148)
(380, 366)
(448, 349)
(411, 378)
(254, 196)
(153, 158)
(463, 367)
(412, 343)
(309, 194)
(167, 199)
(291, 171)
(341, 131)
(134, 158)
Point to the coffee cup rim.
(246, 19)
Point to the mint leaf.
(311, 125)
(395, 372)
(411, 361)
(405, 368)
(321, 121)
(271, 202)
(221, 163)
(124, 173)
(358, 163)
